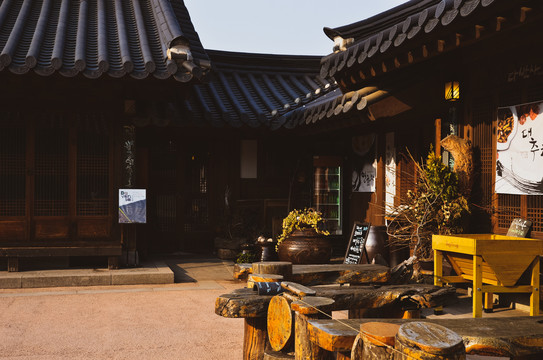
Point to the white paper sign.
(132, 206)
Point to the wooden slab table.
(492, 263)
(509, 337)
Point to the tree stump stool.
(427, 341)
(377, 341)
(309, 308)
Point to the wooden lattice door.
(55, 180)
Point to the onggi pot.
(305, 247)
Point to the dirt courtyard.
(119, 322)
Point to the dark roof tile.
(96, 37)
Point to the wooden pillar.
(438, 274)
(254, 338)
(534, 297)
(477, 293)
(306, 309)
(427, 341)
(438, 137)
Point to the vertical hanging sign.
(129, 156)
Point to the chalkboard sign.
(519, 228)
(357, 244)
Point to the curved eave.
(434, 30)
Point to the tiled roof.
(406, 28)
(96, 37)
(256, 90)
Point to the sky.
(292, 27)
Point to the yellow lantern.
(452, 91)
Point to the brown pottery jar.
(305, 247)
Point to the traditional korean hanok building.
(393, 70)
(99, 96)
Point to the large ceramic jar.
(305, 247)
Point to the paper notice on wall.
(364, 163)
(132, 206)
(519, 165)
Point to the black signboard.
(519, 228)
(357, 244)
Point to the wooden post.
(308, 308)
(254, 338)
(438, 273)
(427, 341)
(477, 293)
(438, 137)
(534, 297)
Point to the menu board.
(519, 228)
(357, 244)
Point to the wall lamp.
(452, 91)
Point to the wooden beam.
(458, 39)
(440, 45)
(499, 21)
(478, 31)
(523, 11)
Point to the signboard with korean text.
(132, 206)
(519, 165)
(357, 244)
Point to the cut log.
(298, 289)
(273, 267)
(340, 274)
(242, 271)
(313, 305)
(378, 339)
(280, 323)
(427, 341)
(242, 303)
(309, 308)
(254, 278)
(358, 348)
(277, 355)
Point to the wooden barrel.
(376, 341)
(427, 341)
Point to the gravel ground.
(119, 322)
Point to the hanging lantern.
(452, 91)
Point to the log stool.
(427, 341)
(375, 341)
(306, 309)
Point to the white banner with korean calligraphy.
(519, 167)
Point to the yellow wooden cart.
(492, 263)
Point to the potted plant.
(304, 238)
